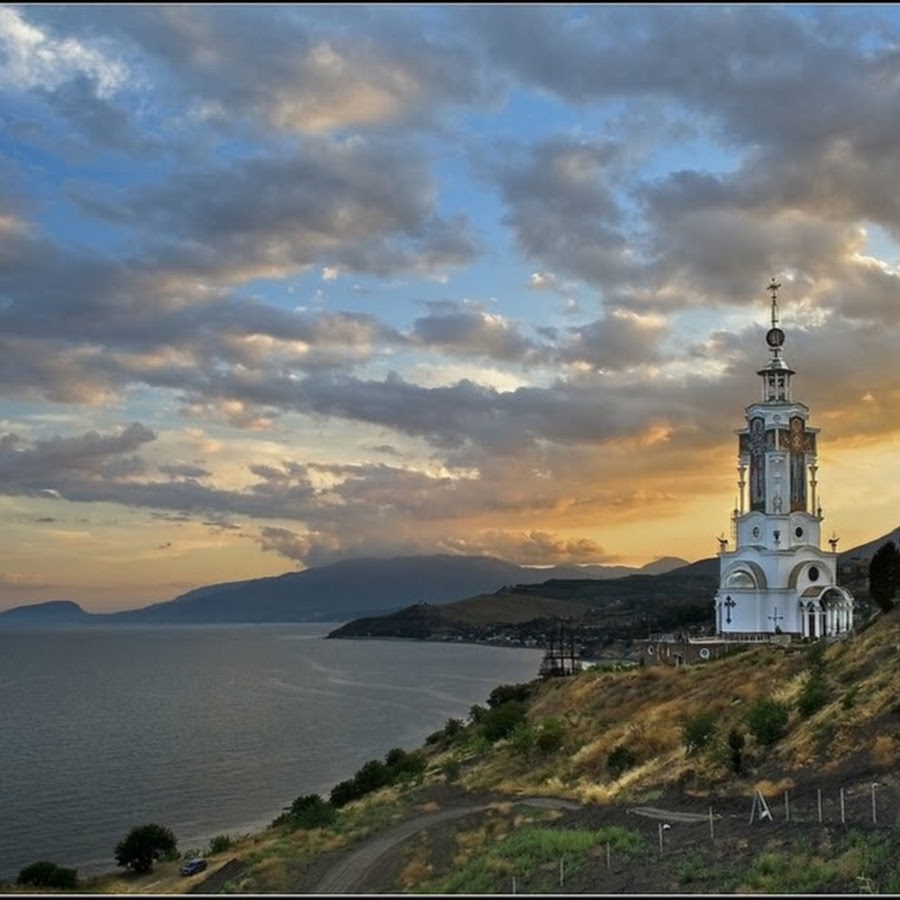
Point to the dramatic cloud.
(281, 285)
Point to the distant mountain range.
(367, 587)
(333, 593)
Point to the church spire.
(776, 376)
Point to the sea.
(207, 729)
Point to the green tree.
(768, 720)
(884, 575)
(44, 874)
(145, 844)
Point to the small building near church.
(775, 578)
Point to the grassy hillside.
(619, 738)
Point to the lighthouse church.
(775, 579)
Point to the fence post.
(562, 872)
(608, 857)
(819, 793)
(662, 828)
(843, 819)
(712, 829)
(787, 808)
(874, 812)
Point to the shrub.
(815, 657)
(698, 731)
(499, 721)
(345, 792)
(145, 844)
(219, 844)
(550, 736)
(451, 770)
(813, 696)
(45, 874)
(447, 734)
(767, 720)
(505, 692)
(372, 776)
(308, 811)
(402, 765)
(621, 758)
(523, 738)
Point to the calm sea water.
(206, 729)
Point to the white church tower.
(777, 579)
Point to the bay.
(206, 729)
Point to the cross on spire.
(773, 290)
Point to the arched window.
(740, 579)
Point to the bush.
(345, 792)
(499, 721)
(768, 720)
(145, 844)
(398, 766)
(523, 738)
(308, 811)
(698, 731)
(813, 696)
(550, 737)
(505, 692)
(373, 775)
(620, 759)
(402, 765)
(219, 844)
(45, 874)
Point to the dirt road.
(350, 874)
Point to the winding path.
(347, 875)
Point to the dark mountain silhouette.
(333, 593)
(52, 612)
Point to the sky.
(282, 285)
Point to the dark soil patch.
(698, 857)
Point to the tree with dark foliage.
(145, 844)
(884, 575)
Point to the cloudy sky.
(282, 285)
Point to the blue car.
(193, 866)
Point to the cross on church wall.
(729, 605)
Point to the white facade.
(774, 576)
